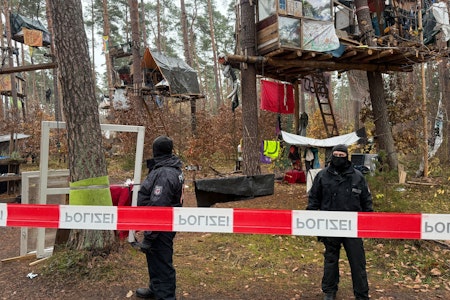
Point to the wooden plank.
(22, 257)
(266, 22)
(267, 34)
(325, 56)
(275, 53)
(294, 54)
(349, 41)
(268, 48)
(421, 183)
(27, 68)
(379, 55)
(38, 261)
(10, 178)
(348, 54)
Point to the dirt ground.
(15, 283)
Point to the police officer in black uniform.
(339, 187)
(162, 187)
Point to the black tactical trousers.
(160, 266)
(354, 248)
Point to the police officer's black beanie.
(162, 145)
(341, 148)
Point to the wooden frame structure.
(283, 61)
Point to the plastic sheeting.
(319, 36)
(182, 79)
(217, 190)
(18, 22)
(346, 139)
(440, 13)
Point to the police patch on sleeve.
(157, 190)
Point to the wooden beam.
(26, 256)
(293, 55)
(379, 55)
(28, 68)
(326, 56)
(402, 56)
(324, 65)
(347, 55)
(276, 52)
(309, 55)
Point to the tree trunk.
(135, 49)
(57, 99)
(142, 29)
(383, 129)
(189, 61)
(251, 143)
(86, 158)
(14, 110)
(2, 44)
(106, 33)
(93, 42)
(158, 21)
(215, 61)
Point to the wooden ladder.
(325, 105)
(159, 127)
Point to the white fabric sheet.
(298, 140)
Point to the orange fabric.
(32, 37)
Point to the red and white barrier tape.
(230, 220)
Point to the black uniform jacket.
(163, 186)
(346, 191)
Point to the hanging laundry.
(263, 159)
(277, 97)
(272, 149)
(32, 38)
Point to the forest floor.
(215, 266)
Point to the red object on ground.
(295, 176)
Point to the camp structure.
(162, 75)
(29, 31)
(302, 41)
(299, 37)
(6, 87)
(178, 76)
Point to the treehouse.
(299, 37)
(29, 31)
(162, 76)
(6, 86)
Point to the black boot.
(329, 296)
(145, 293)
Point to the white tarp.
(319, 36)
(440, 13)
(298, 140)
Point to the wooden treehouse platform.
(291, 64)
(296, 39)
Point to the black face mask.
(340, 163)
